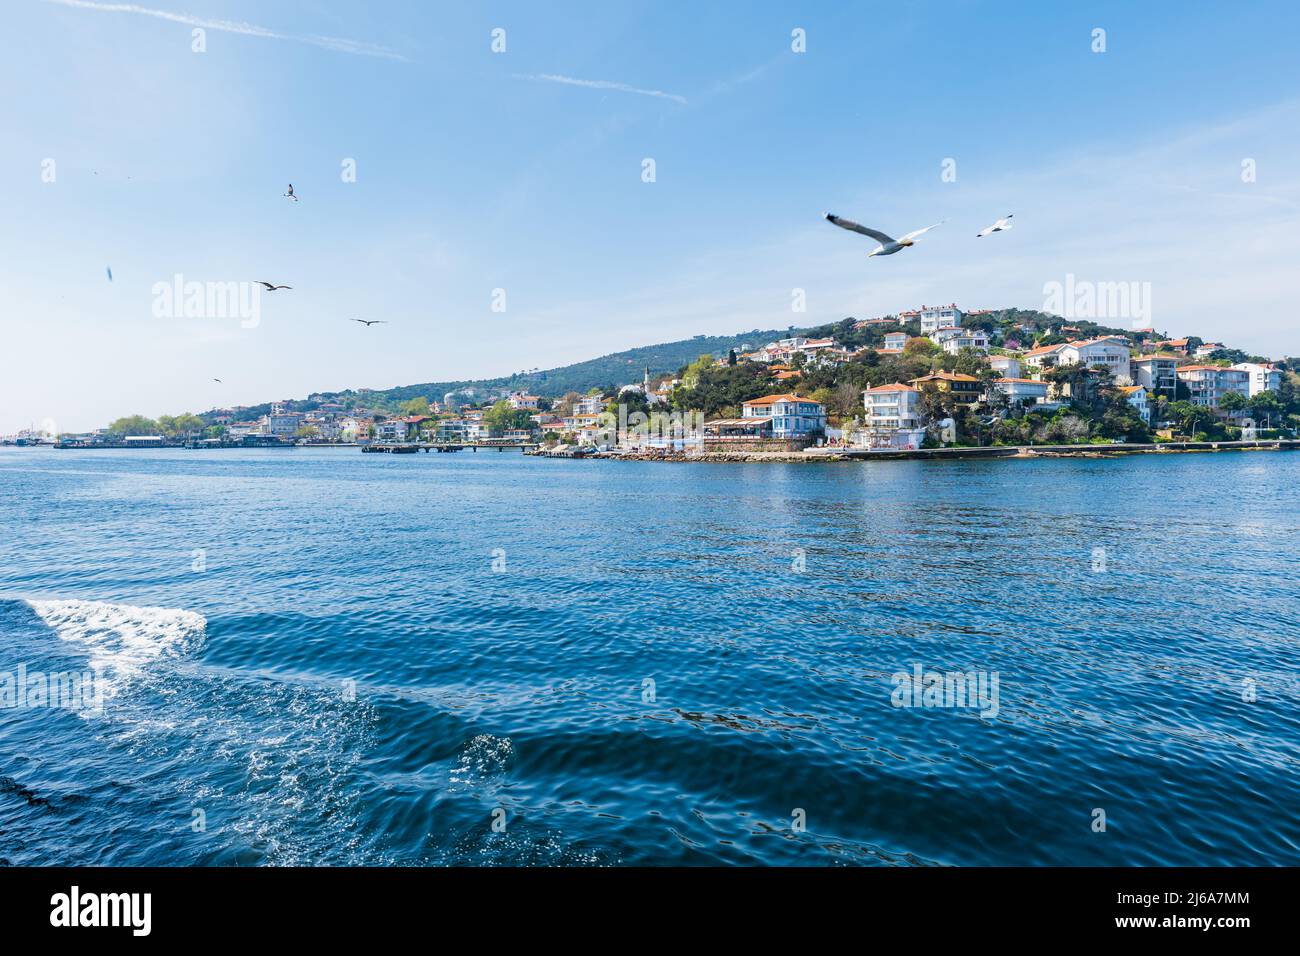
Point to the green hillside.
(618, 368)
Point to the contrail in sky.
(600, 85)
(337, 44)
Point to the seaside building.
(896, 340)
(282, 423)
(1208, 384)
(965, 389)
(1158, 374)
(1111, 351)
(1137, 397)
(1263, 378)
(790, 415)
(1025, 392)
(523, 400)
(400, 429)
(894, 417)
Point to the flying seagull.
(887, 245)
(217, 380)
(290, 194)
(999, 226)
(272, 288)
(369, 322)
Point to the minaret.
(645, 383)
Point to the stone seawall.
(992, 451)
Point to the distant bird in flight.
(272, 288)
(887, 245)
(1002, 224)
(369, 322)
(109, 270)
(290, 194)
(216, 380)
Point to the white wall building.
(1008, 366)
(1208, 384)
(938, 317)
(1263, 378)
(966, 339)
(1158, 374)
(1022, 391)
(792, 416)
(1110, 351)
(1137, 397)
(894, 417)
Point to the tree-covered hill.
(617, 368)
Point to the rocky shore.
(995, 451)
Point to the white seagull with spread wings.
(1002, 224)
(888, 246)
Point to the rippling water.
(322, 657)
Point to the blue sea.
(319, 657)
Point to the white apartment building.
(283, 424)
(966, 339)
(1263, 378)
(893, 416)
(1022, 391)
(1109, 350)
(1208, 384)
(792, 416)
(1158, 374)
(1008, 366)
(895, 340)
(936, 317)
(1137, 397)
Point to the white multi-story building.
(1008, 366)
(891, 407)
(1022, 391)
(523, 400)
(1206, 349)
(895, 340)
(966, 339)
(937, 317)
(1137, 397)
(1045, 356)
(400, 429)
(1208, 384)
(1158, 374)
(792, 416)
(1263, 378)
(1108, 350)
(894, 418)
(589, 405)
(283, 424)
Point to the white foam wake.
(120, 639)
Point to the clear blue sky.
(475, 173)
